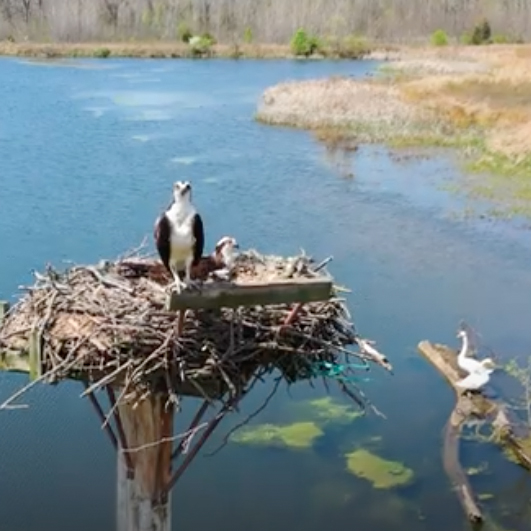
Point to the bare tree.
(272, 21)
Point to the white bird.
(477, 379)
(478, 371)
(179, 236)
(465, 362)
(225, 254)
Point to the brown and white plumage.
(179, 236)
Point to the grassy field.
(475, 98)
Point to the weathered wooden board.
(4, 308)
(14, 361)
(232, 295)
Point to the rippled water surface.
(88, 154)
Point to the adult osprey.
(179, 236)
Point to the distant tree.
(111, 9)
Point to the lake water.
(88, 152)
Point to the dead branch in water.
(469, 406)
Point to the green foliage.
(522, 373)
(466, 38)
(439, 38)
(350, 47)
(201, 45)
(184, 33)
(303, 44)
(101, 53)
(483, 31)
(481, 34)
(208, 39)
(248, 35)
(500, 38)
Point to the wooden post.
(142, 501)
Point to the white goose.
(478, 371)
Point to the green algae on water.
(298, 435)
(475, 470)
(383, 474)
(326, 410)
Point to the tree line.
(260, 21)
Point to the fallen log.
(469, 406)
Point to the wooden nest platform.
(115, 324)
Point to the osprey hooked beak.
(181, 189)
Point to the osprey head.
(226, 244)
(224, 252)
(182, 190)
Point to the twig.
(20, 392)
(101, 415)
(248, 419)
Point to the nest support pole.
(143, 502)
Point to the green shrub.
(481, 33)
(208, 39)
(302, 43)
(201, 45)
(248, 35)
(439, 38)
(184, 33)
(500, 38)
(352, 47)
(101, 53)
(466, 38)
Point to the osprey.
(224, 256)
(219, 260)
(179, 236)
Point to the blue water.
(89, 150)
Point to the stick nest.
(108, 325)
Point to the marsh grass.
(476, 101)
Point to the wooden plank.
(230, 295)
(4, 308)
(34, 347)
(14, 361)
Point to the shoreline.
(180, 50)
(474, 99)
